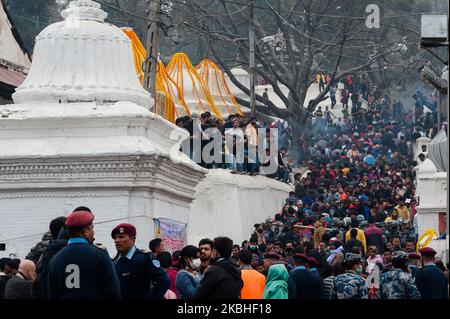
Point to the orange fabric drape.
(180, 66)
(218, 84)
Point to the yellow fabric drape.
(178, 67)
(217, 83)
(170, 84)
(171, 87)
(171, 92)
(166, 88)
(139, 52)
(428, 236)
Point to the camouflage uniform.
(349, 285)
(397, 284)
(36, 252)
(410, 235)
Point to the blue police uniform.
(308, 285)
(414, 270)
(315, 271)
(431, 282)
(82, 271)
(140, 275)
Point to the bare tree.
(327, 35)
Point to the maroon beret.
(127, 229)
(79, 219)
(300, 256)
(313, 261)
(427, 251)
(413, 256)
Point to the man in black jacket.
(60, 236)
(40, 284)
(430, 280)
(222, 279)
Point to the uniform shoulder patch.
(156, 263)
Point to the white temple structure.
(80, 134)
(12, 48)
(243, 77)
(421, 147)
(14, 58)
(431, 211)
(229, 204)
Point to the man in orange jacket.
(254, 281)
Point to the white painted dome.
(82, 59)
(239, 72)
(427, 167)
(243, 77)
(423, 139)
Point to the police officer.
(137, 270)
(350, 285)
(81, 270)
(398, 283)
(430, 280)
(413, 263)
(307, 284)
(313, 265)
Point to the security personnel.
(398, 283)
(313, 265)
(430, 280)
(307, 284)
(413, 263)
(350, 285)
(81, 270)
(140, 275)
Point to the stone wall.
(229, 205)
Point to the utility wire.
(96, 223)
(246, 5)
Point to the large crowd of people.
(353, 211)
(379, 120)
(241, 154)
(348, 231)
(284, 259)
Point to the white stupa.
(82, 59)
(80, 133)
(243, 77)
(432, 190)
